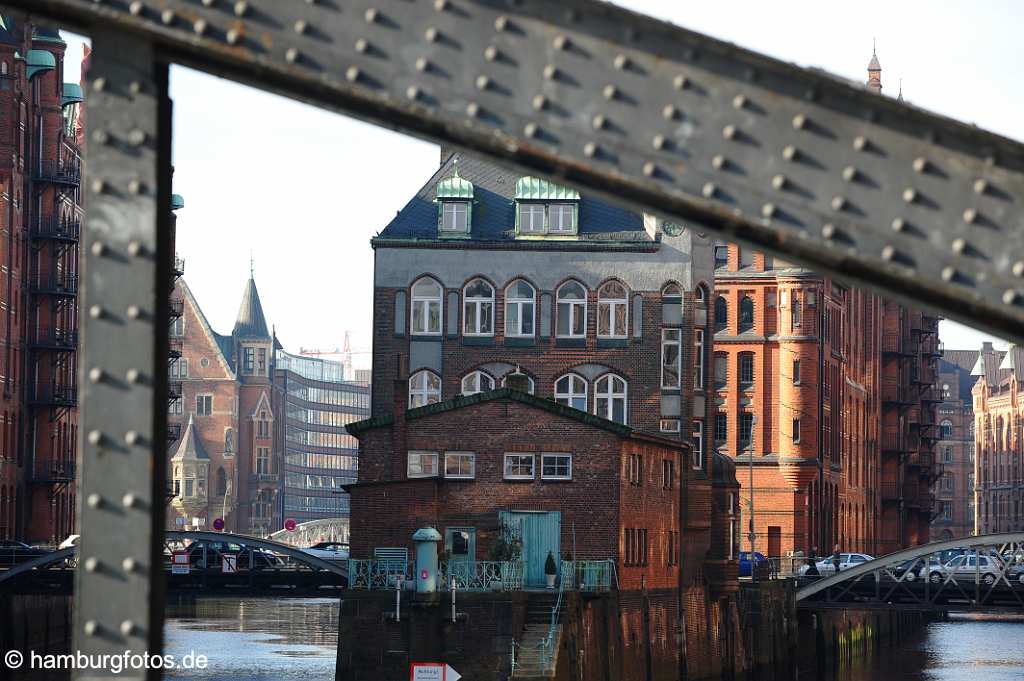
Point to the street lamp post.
(750, 501)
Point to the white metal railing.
(481, 575)
(378, 574)
(587, 575)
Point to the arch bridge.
(970, 574)
(210, 562)
(313, 531)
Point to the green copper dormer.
(546, 209)
(38, 61)
(46, 34)
(177, 201)
(454, 198)
(72, 94)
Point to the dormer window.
(454, 205)
(563, 218)
(531, 218)
(455, 217)
(544, 208)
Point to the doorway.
(540, 532)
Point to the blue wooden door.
(540, 533)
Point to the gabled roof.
(251, 323)
(494, 219)
(190, 448)
(221, 344)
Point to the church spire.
(251, 322)
(874, 71)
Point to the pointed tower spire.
(874, 71)
(251, 322)
(190, 446)
(899, 97)
(1009, 360)
(979, 366)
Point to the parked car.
(915, 568)
(967, 568)
(328, 550)
(208, 555)
(826, 566)
(747, 565)
(13, 552)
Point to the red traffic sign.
(424, 574)
(290, 524)
(218, 524)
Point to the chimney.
(399, 407)
(518, 381)
(986, 346)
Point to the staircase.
(530, 650)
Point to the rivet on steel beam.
(739, 101)
(432, 34)
(209, 3)
(800, 121)
(96, 312)
(659, 142)
(91, 564)
(540, 102)
(95, 437)
(100, 84)
(948, 273)
(473, 109)
(91, 627)
(812, 95)
(898, 225)
(709, 190)
(353, 74)
(167, 16)
(838, 203)
(94, 500)
(234, 36)
(127, 628)
(1011, 297)
(729, 132)
(483, 82)
(561, 42)
(132, 437)
(768, 210)
(501, 23)
(99, 186)
(981, 186)
(412, 92)
(860, 142)
(910, 195)
(136, 8)
(530, 130)
(970, 216)
(780, 182)
(130, 500)
(550, 72)
(133, 312)
(599, 122)
(590, 150)
(572, 15)
(921, 164)
(959, 245)
(241, 8)
(99, 249)
(681, 82)
(441, 5)
(291, 55)
(888, 253)
(718, 161)
(621, 62)
(362, 45)
(850, 173)
(790, 153)
(100, 136)
(610, 92)
(96, 375)
(1018, 268)
(129, 564)
(134, 248)
(750, 74)
(828, 231)
(133, 376)
(650, 170)
(199, 26)
(422, 64)
(301, 26)
(134, 187)
(491, 53)
(135, 87)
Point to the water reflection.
(254, 639)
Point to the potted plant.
(550, 570)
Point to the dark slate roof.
(250, 323)
(493, 215)
(963, 359)
(226, 347)
(964, 379)
(10, 32)
(190, 447)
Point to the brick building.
(998, 438)
(40, 220)
(954, 451)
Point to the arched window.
(610, 398)
(229, 440)
(572, 310)
(520, 306)
(612, 311)
(746, 314)
(426, 307)
(947, 429)
(700, 294)
(477, 382)
(671, 290)
(571, 390)
(222, 482)
(721, 314)
(478, 309)
(531, 386)
(424, 388)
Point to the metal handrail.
(548, 641)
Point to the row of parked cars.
(953, 565)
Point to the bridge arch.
(312, 531)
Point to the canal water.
(284, 639)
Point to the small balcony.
(62, 340)
(174, 390)
(174, 348)
(56, 394)
(54, 472)
(55, 284)
(53, 227)
(60, 172)
(178, 267)
(924, 375)
(265, 479)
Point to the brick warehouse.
(539, 365)
(40, 221)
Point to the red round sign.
(290, 524)
(424, 574)
(218, 524)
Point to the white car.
(967, 568)
(328, 550)
(846, 560)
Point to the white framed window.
(178, 327)
(179, 368)
(612, 311)
(572, 310)
(697, 437)
(262, 461)
(562, 218)
(519, 467)
(670, 425)
(531, 218)
(426, 307)
(698, 360)
(477, 382)
(424, 388)
(610, 398)
(671, 359)
(520, 309)
(460, 465)
(455, 217)
(421, 464)
(571, 390)
(478, 308)
(529, 381)
(671, 290)
(556, 467)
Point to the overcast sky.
(303, 190)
